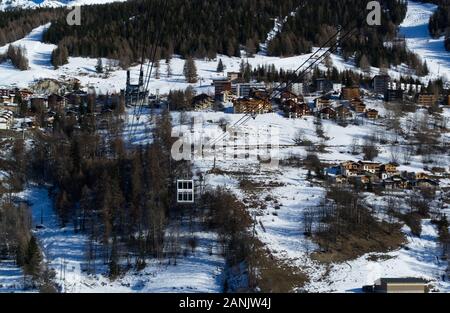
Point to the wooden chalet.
(349, 168)
(289, 95)
(328, 113)
(253, 106)
(25, 94)
(349, 93)
(388, 170)
(426, 99)
(343, 113)
(370, 167)
(322, 102)
(294, 109)
(372, 114)
(202, 102)
(56, 102)
(396, 182)
(357, 105)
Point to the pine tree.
(99, 66)
(157, 70)
(220, 66)
(33, 258)
(250, 48)
(60, 56)
(168, 67)
(114, 268)
(190, 71)
(364, 63)
(17, 55)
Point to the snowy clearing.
(415, 30)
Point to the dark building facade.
(393, 95)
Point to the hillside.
(7, 5)
(195, 28)
(90, 183)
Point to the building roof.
(405, 280)
(201, 97)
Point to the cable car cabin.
(185, 191)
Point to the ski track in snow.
(415, 30)
(11, 277)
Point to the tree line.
(121, 198)
(439, 22)
(124, 31)
(17, 55)
(317, 21)
(16, 239)
(16, 24)
(191, 28)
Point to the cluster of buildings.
(251, 98)
(71, 103)
(347, 107)
(374, 174)
(257, 99)
(397, 92)
(232, 89)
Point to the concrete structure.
(298, 88)
(393, 95)
(243, 90)
(220, 86)
(400, 285)
(381, 83)
(324, 85)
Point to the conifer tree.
(190, 71)
(220, 66)
(99, 66)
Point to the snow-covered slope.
(65, 252)
(31, 4)
(415, 30)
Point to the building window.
(185, 191)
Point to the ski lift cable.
(310, 67)
(331, 49)
(145, 41)
(155, 51)
(294, 80)
(150, 64)
(335, 35)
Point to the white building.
(243, 90)
(6, 120)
